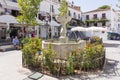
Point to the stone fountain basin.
(63, 50)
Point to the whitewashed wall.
(45, 6)
(99, 15)
(110, 15)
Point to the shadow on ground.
(110, 70)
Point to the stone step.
(7, 48)
(6, 43)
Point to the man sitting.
(16, 42)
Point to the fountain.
(63, 20)
(63, 47)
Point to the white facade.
(8, 4)
(99, 16)
(110, 15)
(45, 7)
(118, 21)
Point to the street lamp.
(46, 25)
(51, 18)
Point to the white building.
(8, 12)
(9, 7)
(48, 6)
(74, 11)
(102, 18)
(118, 20)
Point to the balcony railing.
(103, 18)
(96, 20)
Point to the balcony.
(96, 20)
(103, 20)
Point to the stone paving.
(11, 66)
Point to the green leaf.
(28, 11)
(63, 8)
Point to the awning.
(16, 24)
(9, 5)
(54, 23)
(94, 28)
(8, 19)
(79, 28)
(3, 25)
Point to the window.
(95, 16)
(3, 33)
(95, 24)
(59, 0)
(87, 24)
(87, 17)
(74, 15)
(72, 2)
(51, 8)
(0, 5)
(14, 0)
(103, 23)
(69, 13)
(66, 3)
(103, 16)
(78, 16)
(14, 12)
(7, 11)
(119, 25)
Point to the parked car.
(113, 36)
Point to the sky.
(87, 5)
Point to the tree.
(104, 7)
(63, 8)
(28, 11)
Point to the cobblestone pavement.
(11, 66)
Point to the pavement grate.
(34, 76)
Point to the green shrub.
(96, 40)
(104, 7)
(70, 65)
(49, 55)
(30, 52)
(90, 55)
(79, 59)
(23, 41)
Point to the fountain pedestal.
(63, 20)
(63, 38)
(63, 50)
